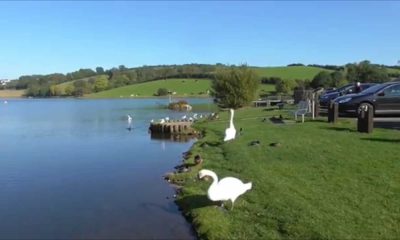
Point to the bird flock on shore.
(226, 189)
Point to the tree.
(33, 90)
(69, 90)
(366, 72)
(284, 86)
(338, 78)
(55, 90)
(100, 70)
(101, 83)
(235, 87)
(322, 79)
(81, 87)
(162, 92)
(165, 71)
(122, 68)
(119, 80)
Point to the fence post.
(316, 106)
(365, 121)
(333, 112)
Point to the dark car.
(383, 98)
(326, 98)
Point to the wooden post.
(333, 112)
(316, 105)
(365, 122)
(313, 106)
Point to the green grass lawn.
(324, 182)
(289, 73)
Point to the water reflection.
(172, 137)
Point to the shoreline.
(178, 187)
(179, 174)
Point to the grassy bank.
(323, 182)
(11, 93)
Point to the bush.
(284, 86)
(162, 92)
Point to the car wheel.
(365, 107)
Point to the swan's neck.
(231, 122)
(214, 177)
(212, 190)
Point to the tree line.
(85, 81)
(363, 72)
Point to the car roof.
(390, 83)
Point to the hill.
(182, 87)
(289, 73)
(63, 85)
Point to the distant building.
(4, 81)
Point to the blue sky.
(47, 37)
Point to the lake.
(71, 168)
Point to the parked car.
(326, 98)
(383, 98)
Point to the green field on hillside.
(289, 73)
(311, 186)
(182, 88)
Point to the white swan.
(129, 118)
(228, 188)
(162, 120)
(230, 132)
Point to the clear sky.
(47, 37)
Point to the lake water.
(70, 168)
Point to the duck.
(230, 133)
(228, 188)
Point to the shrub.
(162, 92)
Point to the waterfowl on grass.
(230, 133)
(228, 188)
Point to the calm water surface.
(72, 169)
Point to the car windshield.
(345, 87)
(374, 88)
